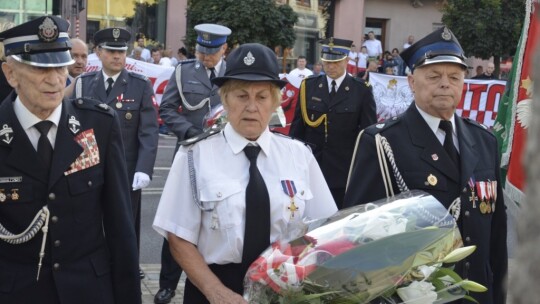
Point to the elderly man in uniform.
(332, 109)
(190, 96)
(131, 95)
(79, 53)
(63, 176)
(445, 155)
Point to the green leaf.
(471, 299)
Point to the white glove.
(140, 180)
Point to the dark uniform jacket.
(419, 154)
(195, 86)
(132, 98)
(351, 110)
(91, 253)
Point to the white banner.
(158, 75)
(480, 99)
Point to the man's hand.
(140, 180)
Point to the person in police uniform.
(469, 170)
(331, 110)
(62, 161)
(190, 96)
(217, 235)
(132, 96)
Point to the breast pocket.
(423, 180)
(15, 193)
(227, 201)
(85, 180)
(129, 113)
(195, 88)
(345, 116)
(293, 209)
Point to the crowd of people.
(77, 149)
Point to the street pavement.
(151, 241)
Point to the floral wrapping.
(390, 251)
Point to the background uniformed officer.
(462, 163)
(131, 95)
(190, 96)
(331, 110)
(64, 161)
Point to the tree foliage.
(261, 21)
(486, 28)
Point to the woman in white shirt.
(215, 221)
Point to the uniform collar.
(114, 77)
(237, 142)
(433, 122)
(27, 119)
(338, 80)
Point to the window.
(304, 3)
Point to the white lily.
(418, 292)
(459, 254)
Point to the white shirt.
(222, 171)
(362, 60)
(352, 56)
(301, 73)
(374, 47)
(165, 61)
(217, 68)
(433, 123)
(27, 120)
(105, 77)
(338, 82)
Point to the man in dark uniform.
(462, 163)
(190, 96)
(62, 172)
(331, 110)
(131, 95)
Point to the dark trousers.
(231, 275)
(170, 272)
(136, 208)
(339, 195)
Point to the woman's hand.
(223, 295)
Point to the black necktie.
(44, 148)
(333, 90)
(110, 81)
(448, 145)
(257, 230)
(212, 73)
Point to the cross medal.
(473, 198)
(290, 190)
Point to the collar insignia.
(6, 132)
(74, 125)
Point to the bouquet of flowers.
(397, 250)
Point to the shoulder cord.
(390, 154)
(303, 107)
(193, 182)
(184, 102)
(40, 221)
(78, 87)
(454, 209)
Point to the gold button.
(52, 196)
(54, 219)
(56, 266)
(57, 243)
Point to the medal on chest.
(290, 190)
